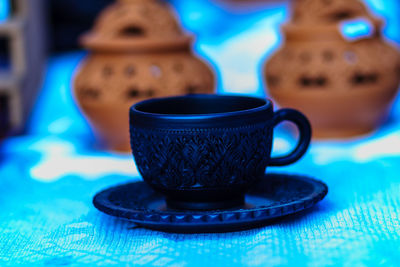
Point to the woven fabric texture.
(51, 221)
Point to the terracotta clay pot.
(344, 87)
(138, 51)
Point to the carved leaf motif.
(191, 159)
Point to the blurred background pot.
(344, 86)
(138, 51)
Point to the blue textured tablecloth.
(47, 182)
(47, 216)
(48, 179)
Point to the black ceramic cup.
(205, 151)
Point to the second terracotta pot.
(345, 87)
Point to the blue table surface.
(49, 176)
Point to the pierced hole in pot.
(178, 67)
(131, 31)
(132, 92)
(288, 55)
(129, 71)
(373, 77)
(327, 2)
(273, 80)
(305, 81)
(150, 92)
(340, 15)
(155, 71)
(90, 93)
(350, 57)
(191, 89)
(358, 78)
(364, 78)
(305, 57)
(313, 82)
(327, 56)
(107, 71)
(321, 81)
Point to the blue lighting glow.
(4, 10)
(55, 110)
(60, 157)
(357, 29)
(389, 11)
(236, 43)
(49, 176)
(56, 157)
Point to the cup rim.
(134, 107)
(230, 118)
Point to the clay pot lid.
(320, 19)
(136, 25)
(326, 12)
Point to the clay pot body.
(108, 84)
(135, 63)
(345, 88)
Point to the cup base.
(233, 202)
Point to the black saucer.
(275, 196)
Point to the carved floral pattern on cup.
(187, 155)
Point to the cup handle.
(304, 127)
